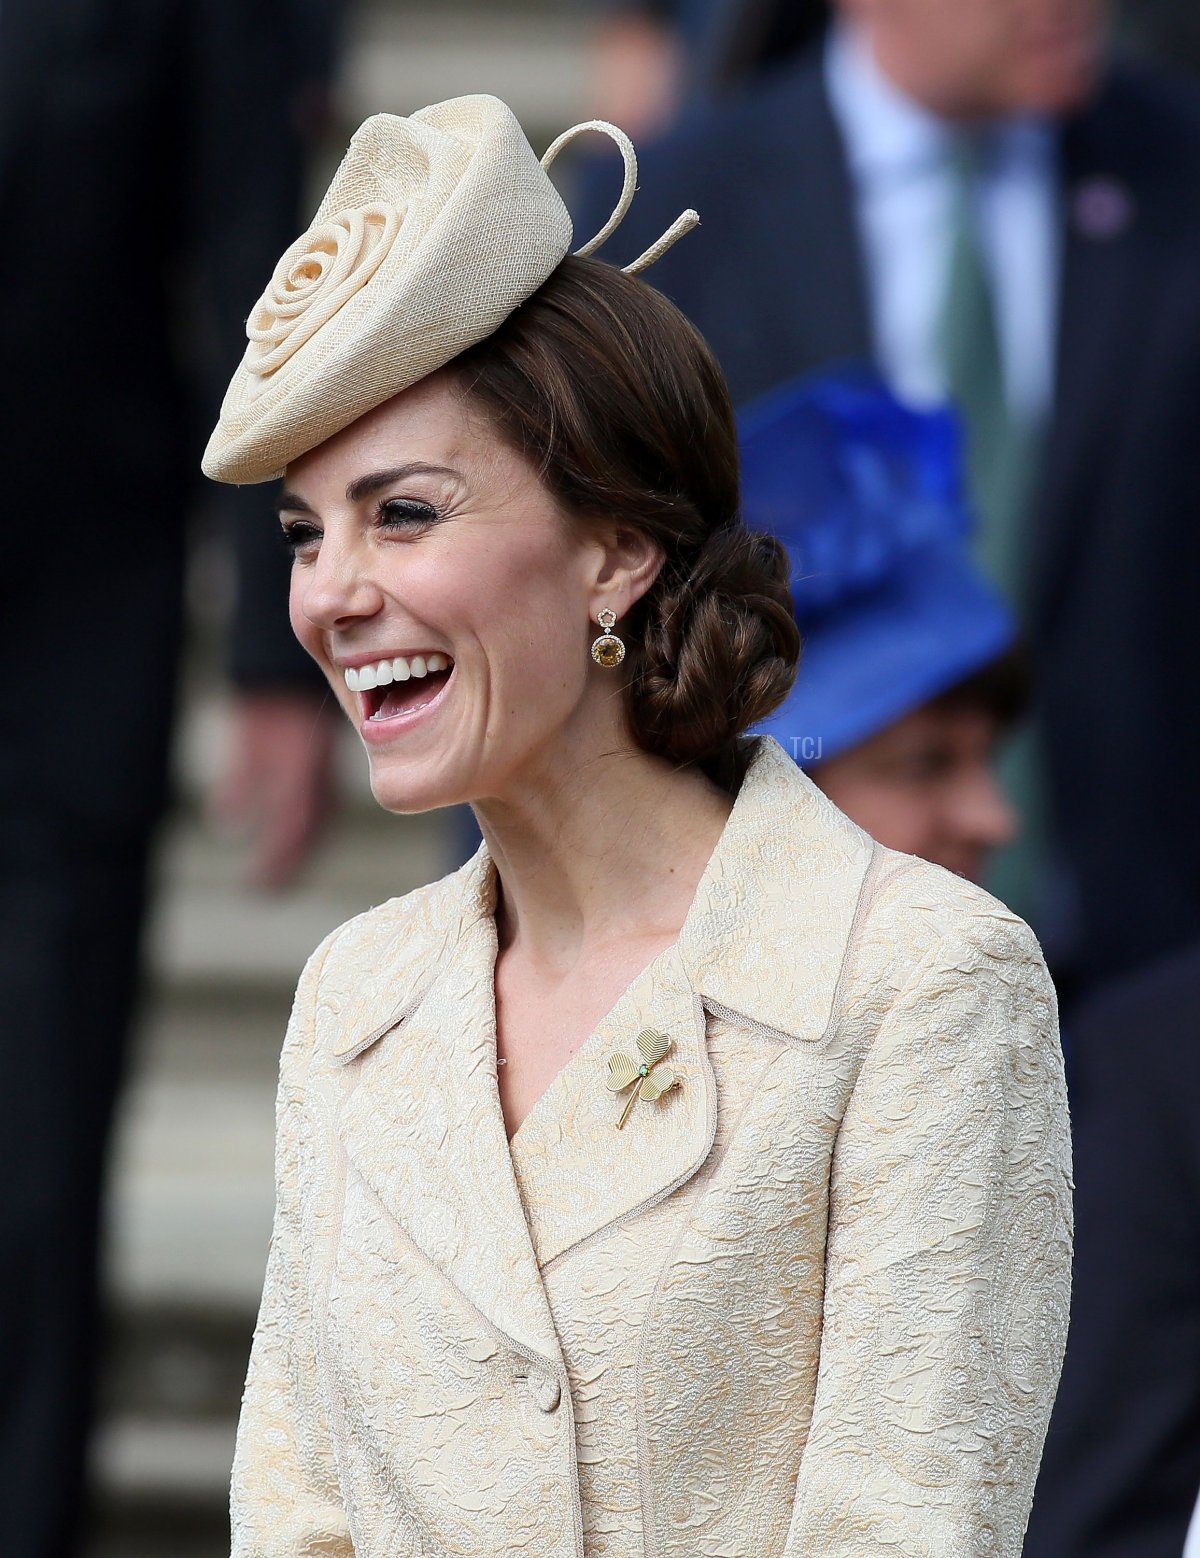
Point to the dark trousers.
(89, 635)
(69, 922)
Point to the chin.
(408, 788)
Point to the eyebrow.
(367, 486)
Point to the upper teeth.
(384, 672)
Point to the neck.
(593, 854)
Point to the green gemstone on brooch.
(653, 1081)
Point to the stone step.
(192, 1172)
(211, 932)
(189, 1033)
(189, 1226)
(192, 1188)
(144, 1462)
(164, 1448)
(401, 57)
(158, 1531)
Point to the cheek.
(908, 820)
(978, 40)
(524, 610)
(543, 649)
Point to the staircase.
(191, 1189)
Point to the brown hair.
(602, 384)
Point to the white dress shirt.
(900, 159)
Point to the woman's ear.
(629, 564)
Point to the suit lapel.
(823, 249)
(807, 264)
(776, 278)
(27, 33)
(1107, 288)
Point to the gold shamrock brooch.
(624, 1071)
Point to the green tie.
(1002, 450)
(1001, 447)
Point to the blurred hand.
(277, 790)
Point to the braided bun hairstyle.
(616, 399)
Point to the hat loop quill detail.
(682, 224)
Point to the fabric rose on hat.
(323, 269)
(434, 228)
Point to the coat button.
(548, 1394)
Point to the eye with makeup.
(403, 513)
(393, 514)
(296, 534)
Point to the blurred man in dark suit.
(970, 193)
(150, 170)
(1169, 28)
(649, 58)
(1121, 1468)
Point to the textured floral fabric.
(811, 1303)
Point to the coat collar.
(421, 1119)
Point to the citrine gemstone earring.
(608, 649)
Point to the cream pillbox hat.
(434, 229)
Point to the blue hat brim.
(874, 660)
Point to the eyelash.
(392, 514)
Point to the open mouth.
(390, 689)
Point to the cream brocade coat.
(812, 1303)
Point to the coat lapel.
(420, 1117)
(578, 1173)
(768, 932)
(764, 939)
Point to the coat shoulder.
(377, 964)
(916, 916)
(417, 917)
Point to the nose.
(339, 588)
(985, 817)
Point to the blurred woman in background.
(912, 672)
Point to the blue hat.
(868, 495)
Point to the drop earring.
(608, 649)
